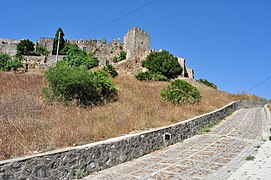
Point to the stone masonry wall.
(190, 73)
(136, 43)
(63, 163)
(48, 43)
(8, 46)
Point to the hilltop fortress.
(136, 44)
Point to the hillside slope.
(30, 125)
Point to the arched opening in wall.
(142, 43)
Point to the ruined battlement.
(137, 29)
(136, 44)
(8, 41)
(92, 41)
(8, 46)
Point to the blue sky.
(226, 41)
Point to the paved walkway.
(259, 168)
(214, 155)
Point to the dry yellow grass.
(29, 125)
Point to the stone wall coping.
(109, 141)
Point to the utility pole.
(57, 46)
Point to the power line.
(121, 17)
(259, 84)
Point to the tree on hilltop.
(61, 41)
(163, 63)
(25, 47)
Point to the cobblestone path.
(213, 155)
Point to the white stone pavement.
(260, 167)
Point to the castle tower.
(136, 43)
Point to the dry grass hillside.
(28, 125)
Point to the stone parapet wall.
(8, 46)
(63, 163)
(37, 62)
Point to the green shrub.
(121, 57)
(164, 63)
(143, 76)
(180, 92)
(41, 50)
(7, 62)
(48, 94)
(111, 70)
(68, 47)
(25, 47)
(78, 57)
(4, 58)
(207, 83)
(68, 83)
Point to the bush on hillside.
(68, 47)
(207, 83)
(144, 76)
(78, 57)
(41, 50)
(111, 70)
(68, 83)
(181, 92)
(164, 63)
(7, 62)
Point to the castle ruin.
(8, 46)
(136, 44)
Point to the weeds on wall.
(207, 128)
(121, 57)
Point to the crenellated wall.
(136, 44)
(8, 46)
(63, 163)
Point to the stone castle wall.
(190, 73)
(104, 51)
(136, 44)
(8, 46)
(47, 42)
(37, 62)
(63, 163)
